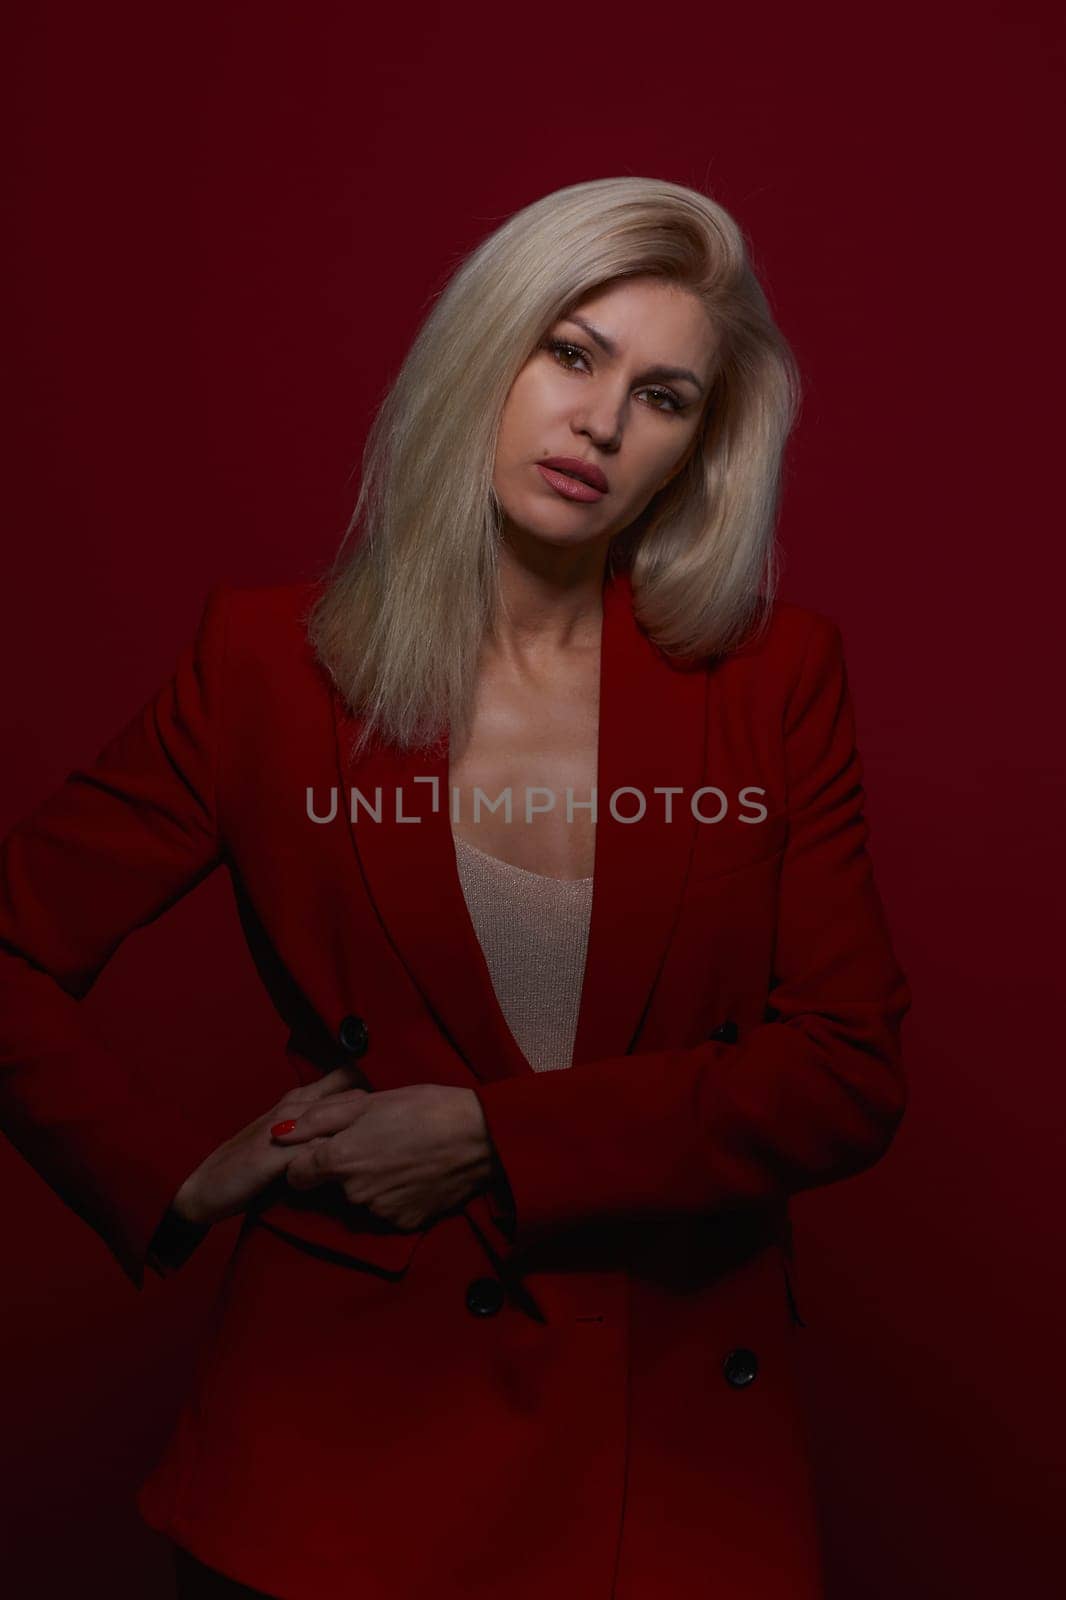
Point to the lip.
(574, 467)
(571, 489)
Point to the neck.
(551, 599)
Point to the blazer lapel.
(652, 735)
(652, 730)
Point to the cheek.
(664, 460)
(537, 402)
(647, 471)
(512, 439)
(526, 424)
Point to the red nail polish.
(281, 1127)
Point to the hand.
(407, 1154)
(233, 1175)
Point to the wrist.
(491, 1174)
(186, 1206)
(484, 1157)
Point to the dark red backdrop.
(228, 222)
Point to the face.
(618, 390)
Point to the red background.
(228, 222)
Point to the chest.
(521, 783)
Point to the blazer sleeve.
(119, 842)
(813, 1096)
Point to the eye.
(562, 350)
(561, 347)
(673, 403)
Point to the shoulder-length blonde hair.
(399, 621)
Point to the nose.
(600, 418)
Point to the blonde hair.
(399, 621)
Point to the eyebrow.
(609, 347)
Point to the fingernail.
(281, 1127)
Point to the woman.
(510, 1311)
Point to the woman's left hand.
(407, 1154)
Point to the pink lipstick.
(574, 478)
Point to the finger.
(341, 1078)
(323, 1117)
(399, 1207)
(310, 1166)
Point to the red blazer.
(595, 1398)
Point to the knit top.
(533, 931)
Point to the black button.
(484, 1297)
(354, 1036)
(726, 1032)
(740, 1367)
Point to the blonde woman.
(545, 820)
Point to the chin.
(562, 526)
(553, 538)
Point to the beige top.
(533, 931)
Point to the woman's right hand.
(231, 1177)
